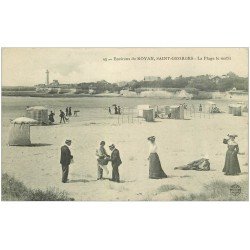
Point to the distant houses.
(151, 78)
(55, 88)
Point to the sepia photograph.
(124, 124)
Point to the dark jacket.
(62, 114)
(65, 155)
(115, 158)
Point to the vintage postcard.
(124, 124)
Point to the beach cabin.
(235, 109)
(244, 106)
(19, 132)
(148, 115)
(38, 113)
(140, 109)
(177, 112)
(230, 108)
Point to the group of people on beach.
(102, 160)
(231, 166)
(64, 116)
(117, 110)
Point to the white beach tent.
(235, 109)
(140, 109)
(177, 112)
(19, 133)
(38, 113)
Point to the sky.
(27, 66)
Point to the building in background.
(151, 78)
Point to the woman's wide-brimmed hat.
(232, 135)
(151, 138)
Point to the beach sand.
(179, 142)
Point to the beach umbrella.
(24, 120)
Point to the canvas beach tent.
(140, 109)
(19, 132)
(38, 113)
(148, 115)
(244, 106)
(235, 109)
(230, 109)
(177, 112)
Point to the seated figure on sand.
(202, 164)
(51, 117)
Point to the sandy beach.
(179, 142)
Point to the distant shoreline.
(111, 95)
(34, 94)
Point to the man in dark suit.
(116, 162)
(62, 115)
(65, 160)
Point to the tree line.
(192, 83)
(196, 83)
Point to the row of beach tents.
(19, 133)
(177, 111)
(149, 112)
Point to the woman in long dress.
(155, 169)
(231, 166)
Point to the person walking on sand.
(200, 108)
(70, 112)
(116, 162)
(231, 166)
(62, 116)
(102, 161)
(67, 111)
(155, 169)
(116, 110)
(66, 159)
(109, 110)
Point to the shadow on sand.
(123, 181)
(40, 144)
(243, 173)
(79, 180)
